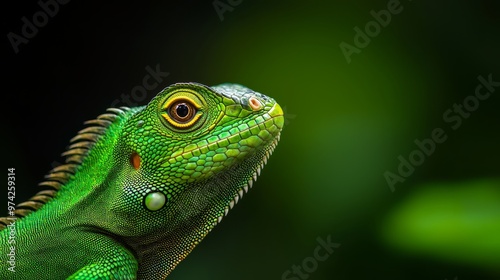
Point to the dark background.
(346, 123)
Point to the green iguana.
(142, 186)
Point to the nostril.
(254, 103)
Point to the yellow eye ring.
(181, 112)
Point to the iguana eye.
(182, 111)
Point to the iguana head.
(186, 159)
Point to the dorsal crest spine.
(79, 147)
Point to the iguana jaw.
(253, 178)
(169, 249)
(258, 160)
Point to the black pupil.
(182, 110)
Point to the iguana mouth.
(190, 163)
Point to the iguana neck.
(189, 224)
(86, 192)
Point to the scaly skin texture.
(143, 186)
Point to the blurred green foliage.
(456, 222)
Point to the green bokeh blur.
(346, 125)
